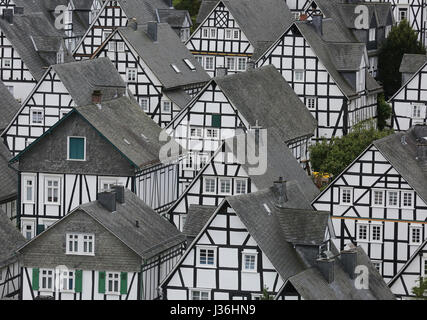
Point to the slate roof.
(28, 31)
(83, 77)
(160, 55)
(175, 18)
(179, 97)
(8, 106)
(402, 157)
(311, 285)
(10, 240)
(263, 95)
(154, 235)
(261, 21)
(411, 63)
(143, 10)
(8, 177)
(197, 217)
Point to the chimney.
(133, 24)
(326, 267)
(281, 189)
(108, 200)
(120, 193)
(152, 30)
(96, 96)
(8, 15)
(317, 21)
(349, 261)
(221, 71)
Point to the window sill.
(113, 293)
(205, 266)
(249, 271)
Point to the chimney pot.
(120, 193)
(349, 261)
(152, 30)
(108, 200)
(97, 96)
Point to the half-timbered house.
(379, 202)
(258, 98)
(235, 31)
(10, 241)
(87, 151)
(61, 87)
(243, 164)
(328, 71)
(8, 185)
(117, 13)
(115, 248)
(268, 240)
(157, 68)
(29, 44)
(409, 103)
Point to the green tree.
(191, 5)
(384, 112)
(265, 294)
(402, 39)
(334, 156)
(420, 290)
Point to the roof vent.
(281, 189)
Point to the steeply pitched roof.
(175, 18)
(197, 217)
(10, 239)
(154, 234)
(143, 10)
(83, 77)
(8, 106)
(161, 54)
(411, 63)
(205, 8)
(128, 128)
(263, 95)
(178, 96)
(8, 177)
(400, 149)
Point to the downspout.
(345, 117)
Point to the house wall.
(10, 280)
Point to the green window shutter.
(123, 283)
(216, 120)
(76, 148)
(40, 228)
(35, 279)
(101, 282)
(79, 278)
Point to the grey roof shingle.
(411, 63)
(205, 8)
(8, 177)
(8, 106)
(197, 217)
(10, 240)
(402, 157)
(179, 97)
(154, 234)
(143, 10)
(263, 95)
(160, 55)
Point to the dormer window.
(189, 64)
(174, 67)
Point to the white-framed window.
(402, 13)
(196, 132)
(80, 244)
(378, 198)
(296, 15)
(46, 279)
(196, 294)
(242, 63)
(346, 196)
(189, 162)
(299, 75)
(249, 261)
(236, 34)
(7, 63)
(76, 148)
(240, 186)
(311, 103)
(206, 257)
(107, 184)
(210, 185)
(393, 198)
(231, 63)
(28, 196)
(416, 111)
(212, 133)
(145, 104)
(184, 34)
(372, 34)
(120, 46)
(407, 199)
(362, 232)
(27, 229)
(415, 235)
(113, 283)
(37, 116)
(225, 186)
(378, 265)
(209, 63)
(112, 45)
(52, 190)
(212, 33)
(67, 281)
(189, 64)
(424, 267)
(175, 68)
(376, 233)
(166, 106)
(228, 34)
(131, 74)
(199, 59)
(205, 33)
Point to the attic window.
(189, 64)
(175, 68)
